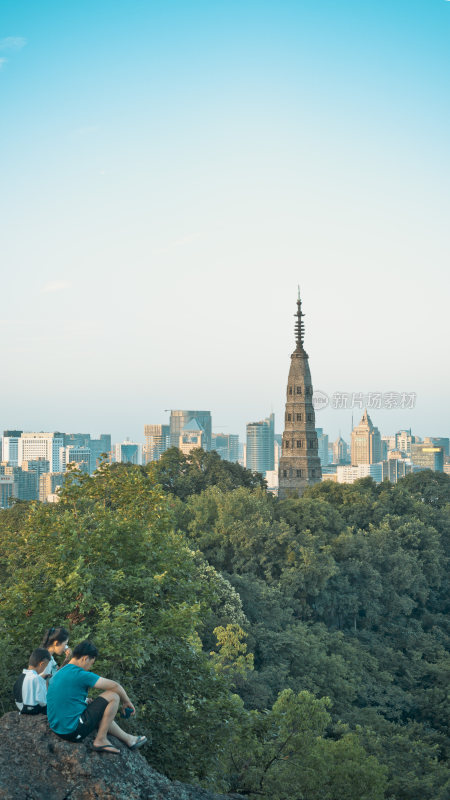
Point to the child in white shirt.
(30, 688)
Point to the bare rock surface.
(35, 764)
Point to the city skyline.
(76, 433)
(34, 464)
(171, 174)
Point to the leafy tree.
(433, 488)
(339, 594)
(105, 563)
(283, 755)
(184, 475)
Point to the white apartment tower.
(41, 445)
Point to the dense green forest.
(287, 650)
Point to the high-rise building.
(10, 447)
(439, 441)
(322, 447)
(299, 463)
(428, 456)
(75, 454)
(76, 439)
(388, 443)
(38, 466)
(25, 484)
(260, 445)
(226, 445)
(34, 445)
(179, 420)
(128, 452)
(49, 482)
(340, 451)
(192, 437)
(395, 468)
(350, 474)
(6, 489)
(157, 440)
(366, 442)
(98, 446)
(403, 441)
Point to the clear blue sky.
(171, 171)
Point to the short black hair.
(85, 649)
(38, 655)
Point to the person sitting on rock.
(30, 688)
(70, 714)
(56, 642)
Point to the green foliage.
(105, 563)
(293, 650)
(232, 658)
(433, 488)
(283, 754)
(345, 591)
(184, 475)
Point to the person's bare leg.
(101, 739)
(116, 731)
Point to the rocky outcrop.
(36, 765)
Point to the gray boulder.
(36, 765)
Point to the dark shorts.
(88, 721)
(31, 711)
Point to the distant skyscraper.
(75, 454)
(98, 447)
(48, 483)
(10, 447)
(6, 489)
(157, 440)
(179, 420)
(39, 467)
(192, 437)
(226, 445)
(439, 441)
(403, 441)
(34, 445)
(128, 452)
(340, 451)
(76, 439)
(396, 468)
(299, 463)
(260, 445)
(428, 456)
(350, 474)
(25, 484)
(322, 447)
(366, 442)
(388, 443)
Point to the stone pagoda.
(299, 463)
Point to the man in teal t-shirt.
(70, 714)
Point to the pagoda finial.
(299, 326)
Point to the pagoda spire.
(299, 464)
(299, 325)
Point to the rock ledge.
(37, 765)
